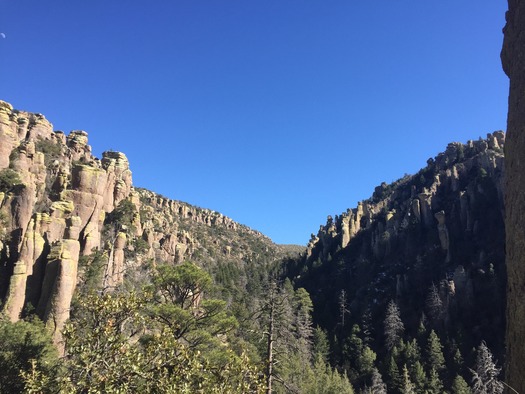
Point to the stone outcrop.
(513, 61)
(52, 213)
(423, 205)
(443, 225)
(66, 207)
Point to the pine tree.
(435, 385)
(419, 377)
(459, 386)
(366, 326)
(485, 376)
(377, 385)
(434, 306)
(393, 325)
(320, 345)
(436, 360)
(392, 372)
(407, 385)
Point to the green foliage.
(435, 357)
(320, 345)
(8, 179)
(182, 285)
(460, 386)
(407, 385)
(50, 149)
(326, 380)
(112, 349)
(91, 269)
(179, 305)
(26, 348)
(122, 217)
(435, 385)
(141, 245)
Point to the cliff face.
(52, 204)
(442, 227)
(513, 60)
(60, 205)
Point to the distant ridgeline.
(434, 243)
(61, 208)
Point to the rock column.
(513, 60)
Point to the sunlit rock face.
(52, 213)
(60, 205)
(513, 60)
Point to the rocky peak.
(54, 199)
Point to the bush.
(26, 347)
(50, 150)
(8, 179)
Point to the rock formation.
(513, 60)
(53, 209)
(443, 225)
(61, 208)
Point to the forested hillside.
(413, 280)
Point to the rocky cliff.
(441, 228)
(69, 219)
(513, 60)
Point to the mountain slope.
(69, 218)
(434, 243)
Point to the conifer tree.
(393, 375)
(460, 386)
(436, 360)
(408, 386)
(377, 386)
(419, 377)
(434, 306)
(393, 326)
(435, 385)
(485, 374)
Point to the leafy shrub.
(8, 179)
(50, 149)
(26, 346)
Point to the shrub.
(8, 179)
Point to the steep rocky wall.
(442, 226)
(513, 60)
(59, 204)
(55, 195)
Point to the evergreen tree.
(435, 357)
(393, 326)
(435, 385)
(377, 386)
(411, 353)
(326, 380)
(434, 306)
(392, 372)
(22, 342)
(485, 375)
(320, 345)
(419, 377)
(459, 386)
(407, 385)
(366, 326)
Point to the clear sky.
(276, 113)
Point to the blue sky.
(276, 113)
